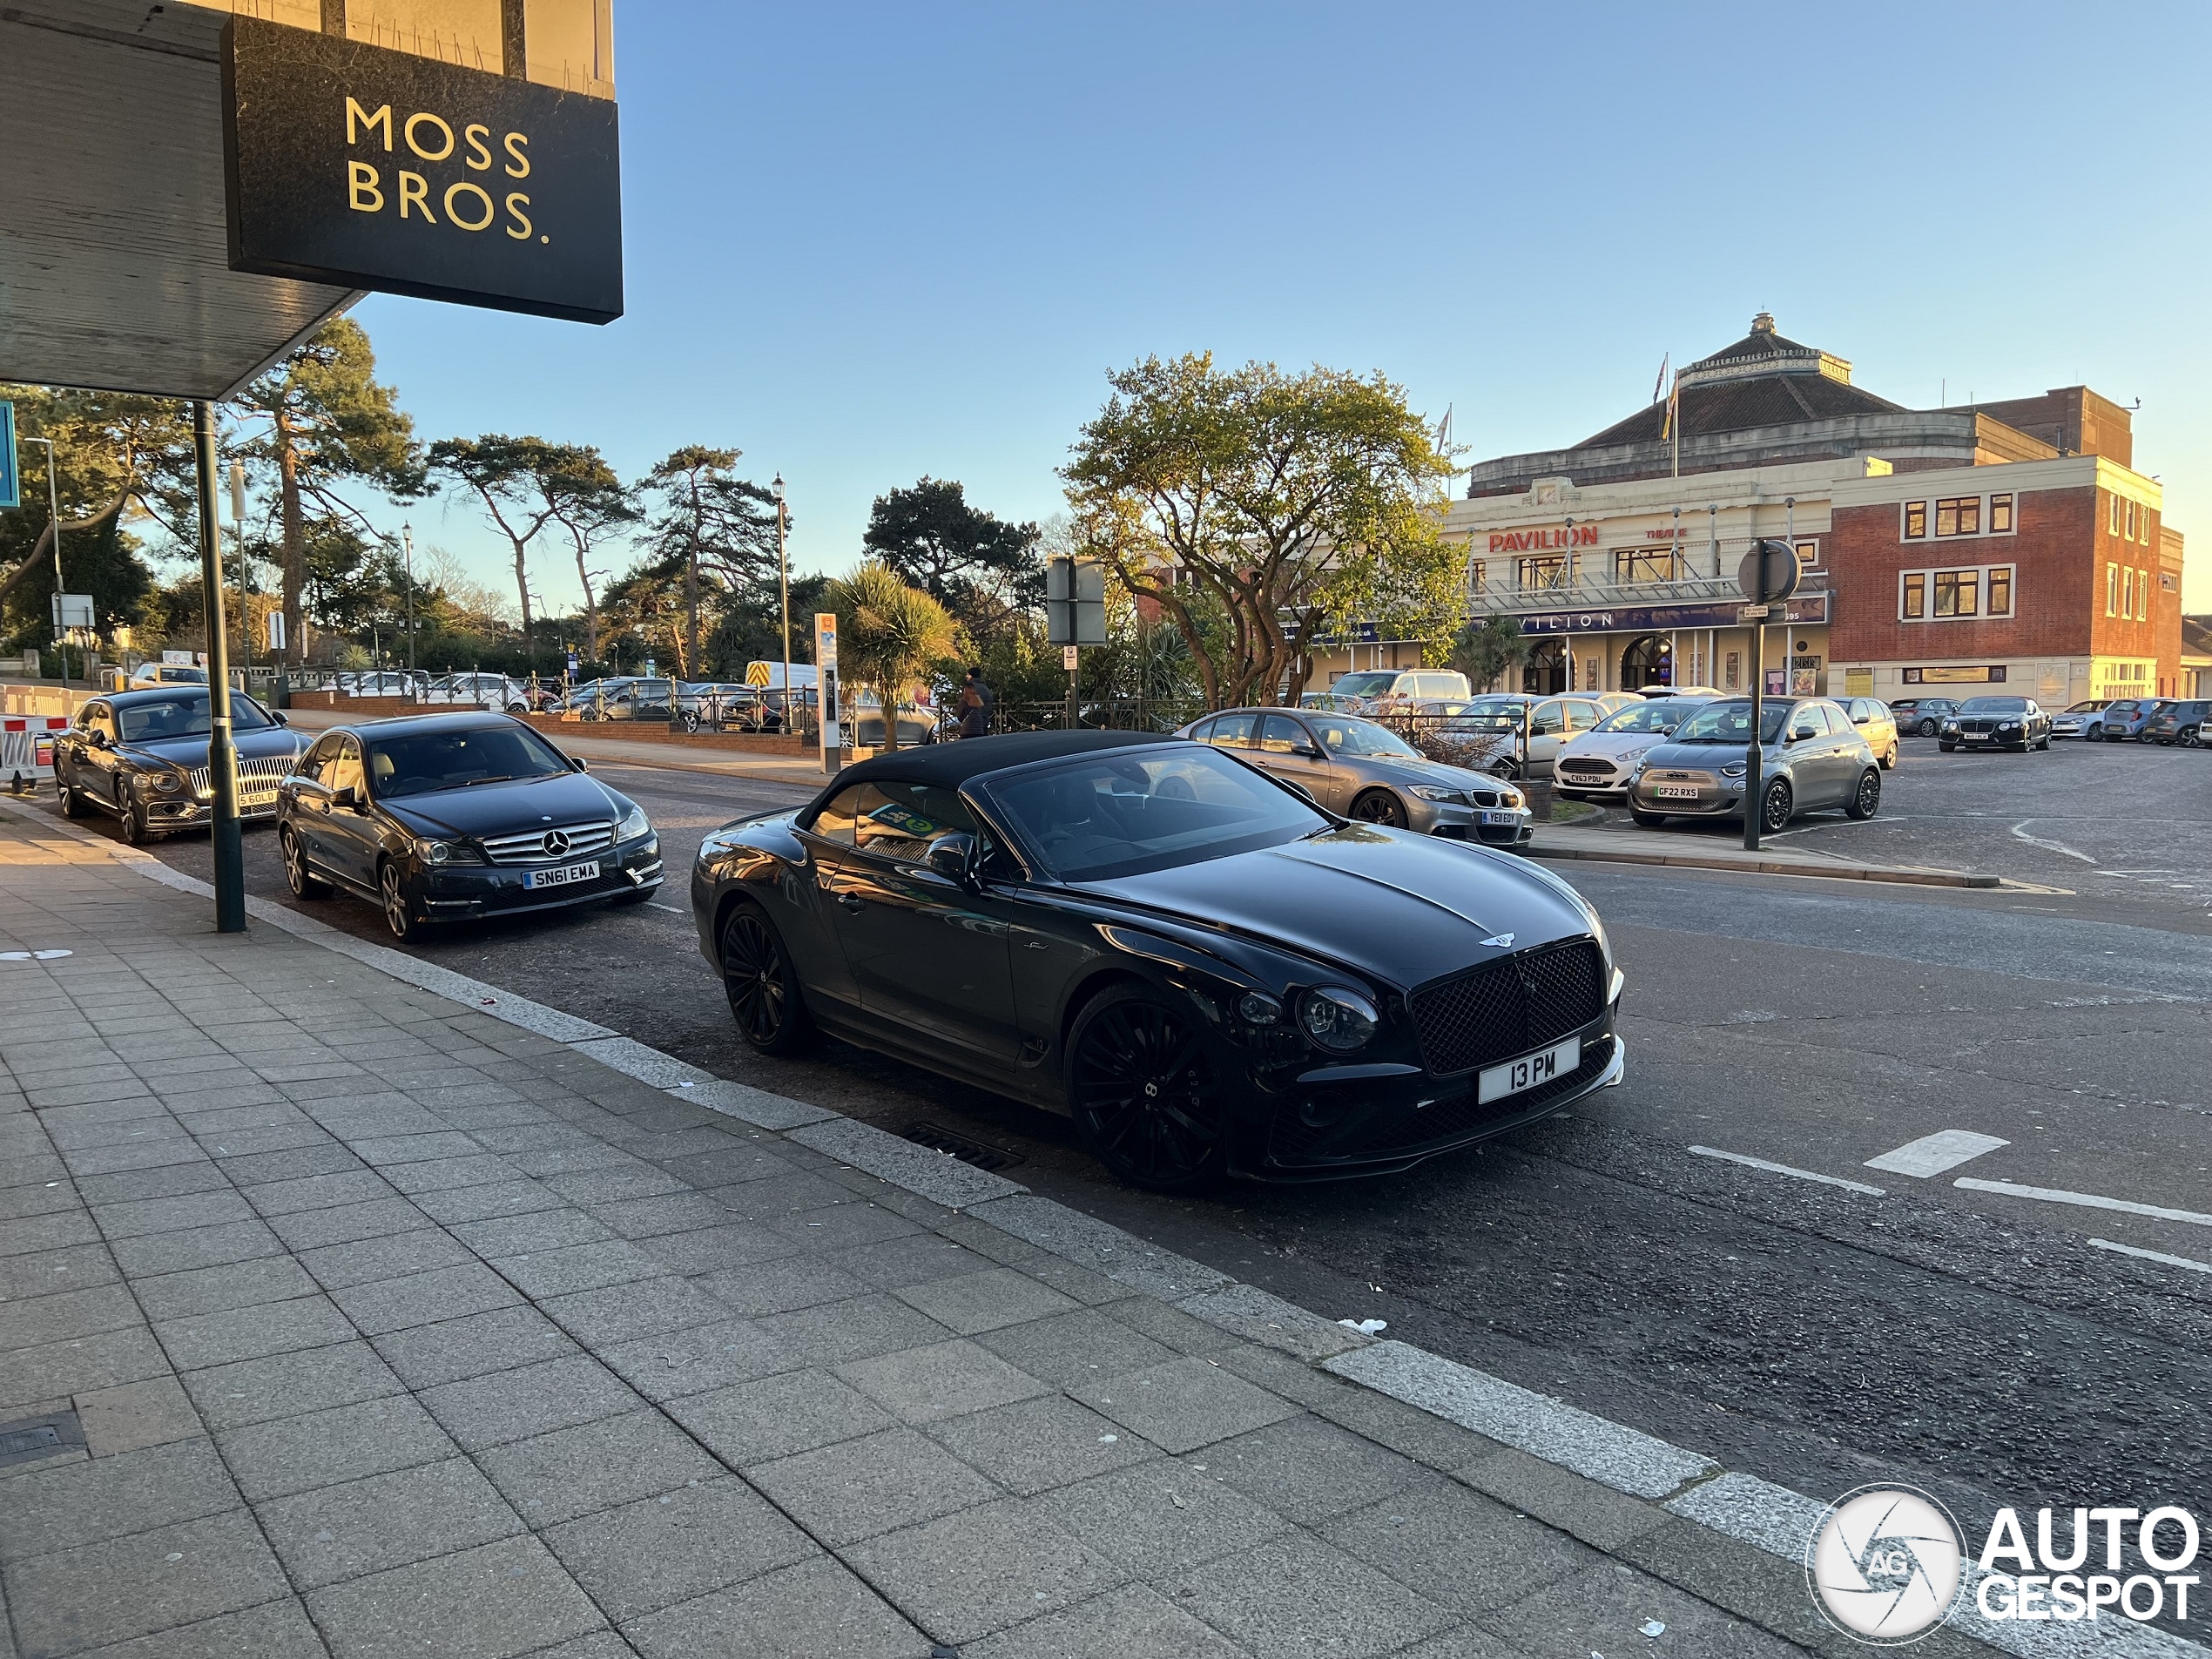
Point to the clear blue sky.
(865, 243)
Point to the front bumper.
(460, 892)
(1457, 823)
(166, 813)
(1715, 798)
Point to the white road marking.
(2154, 1255)
(2020, 830)
(673, 910)
(1784, 1169)
(2086, 1200)
(1932, 1154)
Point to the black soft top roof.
(951, 764)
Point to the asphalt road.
(1970, 1341)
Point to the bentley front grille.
(1509, 1007)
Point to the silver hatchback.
(1360, 769)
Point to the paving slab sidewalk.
(369, 1324)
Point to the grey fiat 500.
(1810, 756)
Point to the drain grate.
(940, 1139)
(27, 1439)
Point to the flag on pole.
(1660, 385)
(1673, 410)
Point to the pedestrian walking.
(975, 705)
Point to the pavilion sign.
(369, 168)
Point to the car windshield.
(1647, 717)
(1731, 722)
(1362, 684)
(1117, 814)
(1993, 705)
(1341, 734)
(420, 762)
(183, 713)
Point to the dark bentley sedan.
(453, 817)
(1207, 971)
(1997, 723)
(143, 757)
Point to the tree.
(324, 422)
(712, 522)
(1484, 650)
(978, 566)
(889, 635)
(750, 628)
(1262, 511)
(591, 503)
(518, 481)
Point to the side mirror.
(101, 740)
(1305, 751)
(277, 715)
(1801, 734)
(577, 763)
(349, 798)
(953, 857)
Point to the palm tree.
(888, 635)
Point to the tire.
(1866, 801)
(1889, 761)
(132, 815)
(1776, 807)
(766, 997)
(1926, 728)
(1144, 1092)
(2044, 746)
(71, 806)
(303, 881)
(1948, 748)
(1646, 820)
(1379, 807)
(391, 890)
(2193, 739)
(690, 720)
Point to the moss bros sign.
(369, 168)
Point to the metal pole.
(54, 509)
(407, 539)
(783, 583)
(245, 574)
(222, 754)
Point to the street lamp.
(407, 541)
(54, 511)
(783, 582)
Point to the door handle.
(1034, 944)
(850, 901)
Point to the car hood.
(510, 809)
(1402, 908)
(1707, 757)
(1611, 744)
(1389, 769)
(189, 753)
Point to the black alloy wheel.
(133, 814)
(1927, 728)
(764, 991)
(72, 805)
(1774, 808)
(1379, 807)
(1866, 801)
(399, 915)
(303, 881)
(1143, 1093)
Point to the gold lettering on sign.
(515, 144)
(382, 118)
(414, 187)
(362, 195)
(414, 121)
(516, 203)
(452, 214)
(479, 158)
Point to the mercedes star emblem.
(556, 843)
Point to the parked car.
(1613, 702)
(1380, 690)
(1486, 729)
(1811, 757)
(1359, 770)
(1924, 715)
(2128, 718)
(147, 674)
(1876, 724)
(1204, 970)
(1332, 702)
(1595, 764)
(1700, 691)
(2180, 723)
(1997, 723)
(142, 756)
(2079, 719)
(456, 816)
(496, 691)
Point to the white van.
(1380, 690)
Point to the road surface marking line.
(2086, 1200)
(1932, 1154)
(2020, 830)
(2154, 1255)
(1784, 1169)
(673, 910)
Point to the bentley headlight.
(2009, 726)
(1257, 1008)
(1429, 792)
(167, 782)
(1951, 726)
(1339, 1020)
(634, 824)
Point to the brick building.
(2007, 543)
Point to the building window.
(2132, 521)
(2143, 595)
(1543, 573)
(1633, 565)
(2000, 590)
(2127, 593)
(1478, 576)
(1916, 521)
(2113, 515)
(2000, 515)
(1959, 516)
(1913, 603)
(1957, 593)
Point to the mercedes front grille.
(555, 846)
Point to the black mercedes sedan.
(454, 817)
(142, 756)
(1209, 973)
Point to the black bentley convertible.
(1209, 973)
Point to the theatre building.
(1994, 543)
